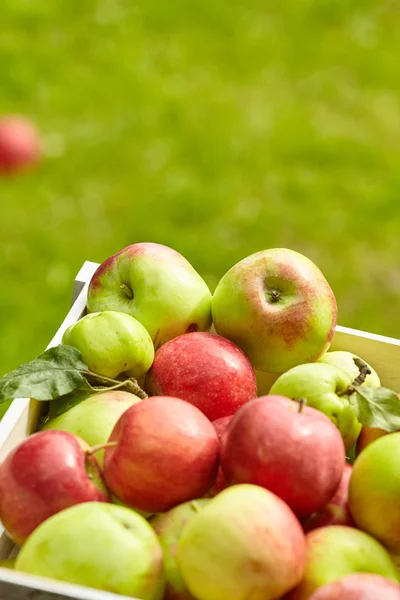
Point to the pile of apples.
(210, 487)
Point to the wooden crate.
(383, 353)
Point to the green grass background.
(214, 126)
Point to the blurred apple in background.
(220, 484)
(337, 511)
(294, 451)
(205, 369)
(166, 453)
(43, 475)
(157, 286)
(278, 307)
(359, 586)
(19, 144)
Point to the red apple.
(359, 586)
(19, 144)
(220, 484)
(206, 370)
(337, 511)
(166, 453)
(292, 450)
(46, 473)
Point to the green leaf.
(64, 403)
(376, 407)
(56, 372)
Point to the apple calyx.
(127, 290)
(274, 296)
(97, 447)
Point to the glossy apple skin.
(167, 453)
(374, 492)
(19, 144)
(246, 543)
(160, 288)
(112, 343)
(205, 369)
(169, 527)
(102, 546)
(359, 586)
(337, 511)
(220, 484)
(45, 474)
(278, 307)
(299, 456)
(336, 551)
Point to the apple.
(19, 144)
(278, 307)
(157, 286)
(205, 369)
(168, 527)
(344, 360)
(93, 419)
(367, 436)
(166, 452)
(112, 343)
(246, 543)
(359, 586)
(322, 385)
(220, 426)
(102, 546)
(336, 551)
(294, 451)
(337, 511)
(44, 474)
(374, 492)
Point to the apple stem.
(302, 402)
(99, 447)
(102, 384)
(364, 371)
(127, 290)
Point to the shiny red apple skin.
(167, 453)
(206, 370)
(337, 511)
(299, 456)
(359, 586)
(43, 475)
(220, 484)
(19, 144)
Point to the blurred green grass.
(218, 128)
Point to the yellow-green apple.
(44, 474)
(293, 450)
(336, 551)
(156, 285)
(374, 492)
(102, 546)
(220, 426)
(359, 586)
(345, 361)
(323, 386)
(93, 419)
(20, 145)
(206, 370)
(166, 452)
(112, 343)
(168, 527)
(337, 511)
(278, 307)
(246, 543)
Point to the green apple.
(93, 419)
(99, 545)
(156, 285)
(374, 492)
(168, 527)
(336, 551)
(344, 360)
(320, 385)
(246, 543)
(112, 343)
(278, 307)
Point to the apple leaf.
(56, 372)
(376, 407)
(62, 404)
